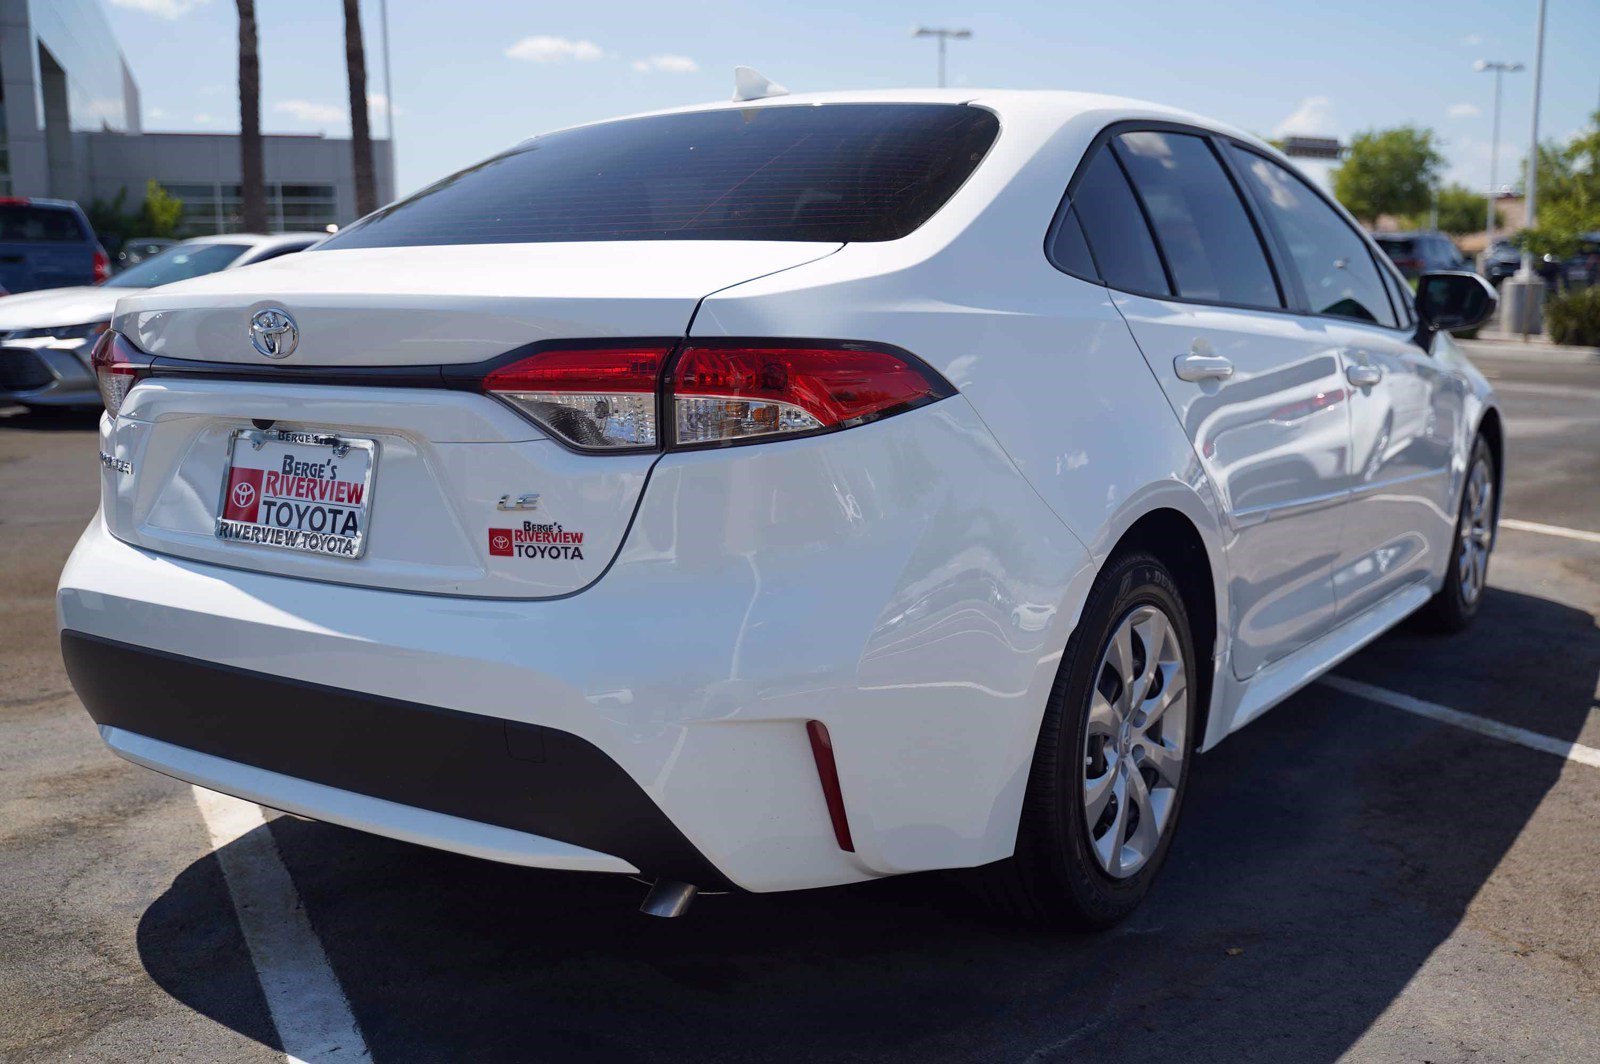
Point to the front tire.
(1112, 762)
(1467, 574)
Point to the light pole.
(1531, 218)
(943, 35)
(1499, 69)
(388, 95)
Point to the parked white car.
(46, 336)
(782, 493)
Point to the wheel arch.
(1170, 535)
(1492, 429)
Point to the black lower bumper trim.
(513, 775)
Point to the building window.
(213, 207)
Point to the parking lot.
(1352, 879)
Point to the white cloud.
(1463, 110)
(169, 9)
(666, 64)
(325, 114)
(554, 50)
(378, 105)
(203, 120)
(1313, 116)
(155, 112)
(1471, 40)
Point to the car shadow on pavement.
(48, 419)
(1325, 852)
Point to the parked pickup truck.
(46, 243)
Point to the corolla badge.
(273, 333)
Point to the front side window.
(1338, 273)
(1399, 295)
(1210, 245)
(834, 172)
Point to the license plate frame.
(316, 542)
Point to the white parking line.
(308, 1006)
(1584, 755)
(1550, 530)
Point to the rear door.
(1258, 389)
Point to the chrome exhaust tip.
(668, 898)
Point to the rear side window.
(1338, 273)
(23, 223)
(836, 172)
(1115, 229)
(1210, 245)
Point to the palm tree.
(252, 183)
(355, 57)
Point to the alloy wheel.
(1135, 741)
(1476, 529)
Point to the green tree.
(1461, 210)
(158, 215)
(1388, 171)
(1569, 193)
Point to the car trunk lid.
(452, 491)
(450, 304)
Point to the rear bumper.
(538, 783)
(899, 583)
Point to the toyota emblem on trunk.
(273, 333)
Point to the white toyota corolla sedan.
(782, 493)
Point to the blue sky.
(474, 76)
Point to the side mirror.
(1456, 300)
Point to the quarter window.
(1070, 251)
(1115, 228)
(1338, 273)
(1210, 245)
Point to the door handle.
(1197, 367)
(1363, 374)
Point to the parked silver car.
(46, 336)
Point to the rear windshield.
(25, 222)
(178, 264)
(835, 172)
(1397, 245)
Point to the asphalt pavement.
(1351, 880)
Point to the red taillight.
(118, 366)
(606, 398)
(601, 398)
(729, 392)
(102, 265)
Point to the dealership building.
(71, 128)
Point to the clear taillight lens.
(118, 366)
(601, 399)
(729, 392)
(608, 398)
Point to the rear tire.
(1112, 761)
(1467, 574)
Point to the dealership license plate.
(297, 490)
